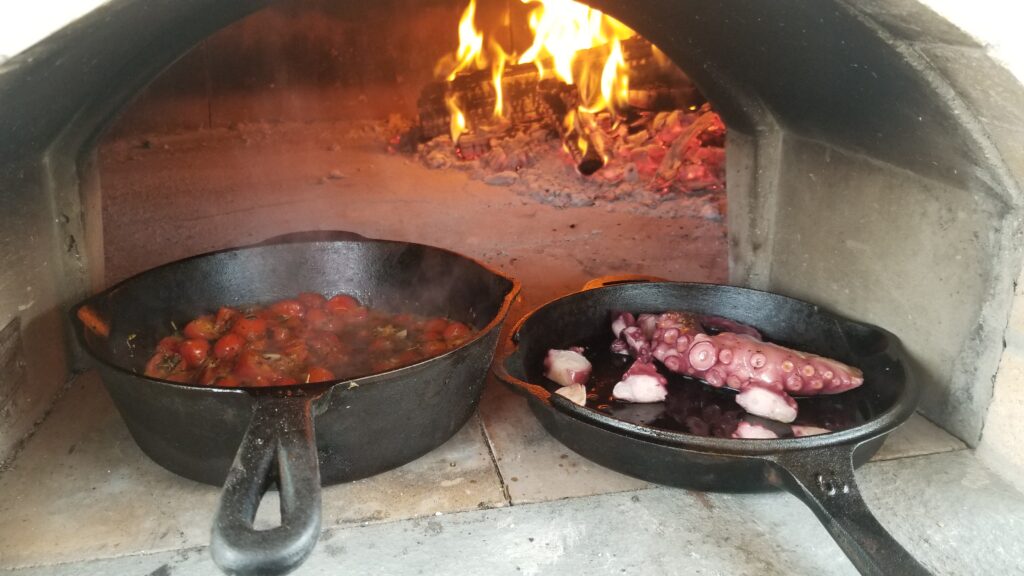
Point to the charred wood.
(655, 85)
(577, 142)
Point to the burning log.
(474, 91)
(654, 85)
(622, 111)
(661, 98)
(599, 139)
(584, 153)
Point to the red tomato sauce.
(308, 338)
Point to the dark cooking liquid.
(693, 407)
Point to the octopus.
(723, 353)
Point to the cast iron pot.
(817, 469)
(296, 437)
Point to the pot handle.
(280, 445)
(824, 480)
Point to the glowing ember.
(588, 97)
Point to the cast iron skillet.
(817, 469)
(296, 437)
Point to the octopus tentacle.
(766, 375)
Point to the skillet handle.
(280, 433)
(615, 279)
(824, 480)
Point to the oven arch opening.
(857, 171)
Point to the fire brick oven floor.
(501, 497)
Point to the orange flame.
(471, 42)
(458, 119)
(562, 29)
(497, 70)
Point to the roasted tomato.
(342, 303)
(203, 327)
(280, 333)
(194, 351)
(312, 300)
(318, 319)
(408, 357)
(435, 325)
(433, 348)
(297, 351)
(212, 372)
(256, 369)
(379, 345)
(225, 317)
(227, 381)
(169, 344)
(288, 309)
(303, 339)
(228, 346)
(250, 328)
(323, 344)
(168, 367)
(385, 364)
(319, 374)
(357, 314)
(457, 333)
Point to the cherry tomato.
(211, 373)
(250, 328)
(384, 365)
(381, 345)
(228, 346)
(457, 333)
(255, 369)
(288, 309)
(166, 366)
(433, 348)
(169, 344)
(342, 303)
(357, 314)
(404, 320)
(407, 357)
(227, 381)
(203, 327)
(435, 325)
(323, 343)
(184, 376)
(225, 316)
(311, 300)
(194, 351)
(318, 319)
(319, 374)
(307, 338)
(296, 351)
(261, 345)
(279, 333)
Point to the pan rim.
(902, 408)
(317, 388)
